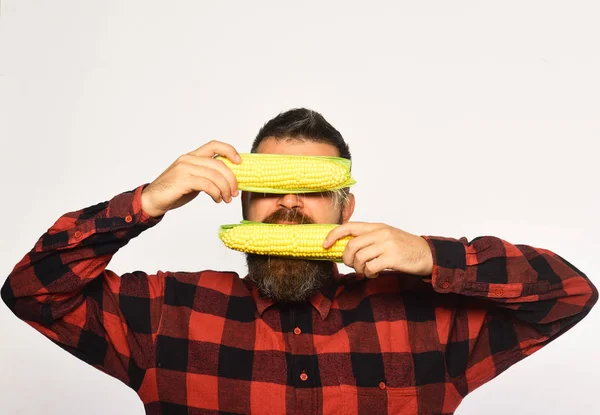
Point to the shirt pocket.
(371, 389)
(380, 399)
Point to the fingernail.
(238, 158)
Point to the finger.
(213, 175)
(227, 173)
(374, 267)
(354, 245)
(349, 228)
(215, 147)
(219, 180)
(365, 255)
(207, 187)
(216, 165)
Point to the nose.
(291, 201)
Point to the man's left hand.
(377, 246)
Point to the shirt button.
(297, 330)
(445, 285)
(381, 385)
(77, 235)
(128, 218)
(303, 377)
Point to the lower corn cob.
(282, 173)
(294, 241)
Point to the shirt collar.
(321, 300)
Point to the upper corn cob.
(296, 241)
(280, 173)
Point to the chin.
(288, 279)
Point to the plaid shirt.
(206, 342)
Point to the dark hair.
(302, 124)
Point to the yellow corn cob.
(295, 241)
(281, 173)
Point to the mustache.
(288, 215)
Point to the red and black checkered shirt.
(206, 342)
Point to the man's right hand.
(191, 174)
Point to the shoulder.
(225, 282)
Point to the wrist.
(147, 206)
(427, 260)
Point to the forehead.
(295, 146)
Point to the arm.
(62, 289)
(508, 300)
(527, 297)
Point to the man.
(421, 323)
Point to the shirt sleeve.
(511, 301)
(62, 289)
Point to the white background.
(464, 118)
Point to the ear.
(348, 208)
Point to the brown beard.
(288, 279)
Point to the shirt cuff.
(143, 217)
(125, 211)
(449, 263)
